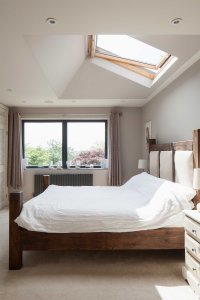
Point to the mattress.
(104, 209)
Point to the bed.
(172, 161)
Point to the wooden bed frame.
(164, 238)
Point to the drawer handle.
(193, 250)
(194, 269)
(193, 231)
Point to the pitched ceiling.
(47, 65)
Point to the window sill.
(66, 169)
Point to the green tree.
(54, 151)
(40, 156)
(36, 156)
(71, 153)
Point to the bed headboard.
(176, 161)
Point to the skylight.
(130, 53)
(129, 48)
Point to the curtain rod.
(67, 114)
(50, 115)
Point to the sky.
(81, 136)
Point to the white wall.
(175, 112)
(131, 142)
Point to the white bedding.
(144, 202)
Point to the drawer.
(193, 228)
(193, 284)
(192, 246)
(193, 265)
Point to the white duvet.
(144, 202)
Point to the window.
(86, 143)
(42, 143)
(129, 53)
(65, 143)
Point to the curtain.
(114, 177)
(14, 151)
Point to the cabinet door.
(3, 155)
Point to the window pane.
(86, 143)
(127, 47)
(43, 143)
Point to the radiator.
(63, 179)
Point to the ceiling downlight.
(176, 21)
(51, 21)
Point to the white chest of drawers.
(191, 270)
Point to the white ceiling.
(47, 66)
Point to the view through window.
(65, 143)
(86, 143)
(42, 143)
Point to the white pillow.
(147, 184)
(184, 167)
(143, 181)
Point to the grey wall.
(130, 127)
(131, 143)
(176, 110)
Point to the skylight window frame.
(141, 68)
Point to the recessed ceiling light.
(51, 21)
(176, 21)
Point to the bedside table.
(191, 270)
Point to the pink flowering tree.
(89, 157)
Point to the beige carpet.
(136, 275)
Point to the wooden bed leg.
(15, 246)
(45, 182)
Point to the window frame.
(64, 137)
(143, 69)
